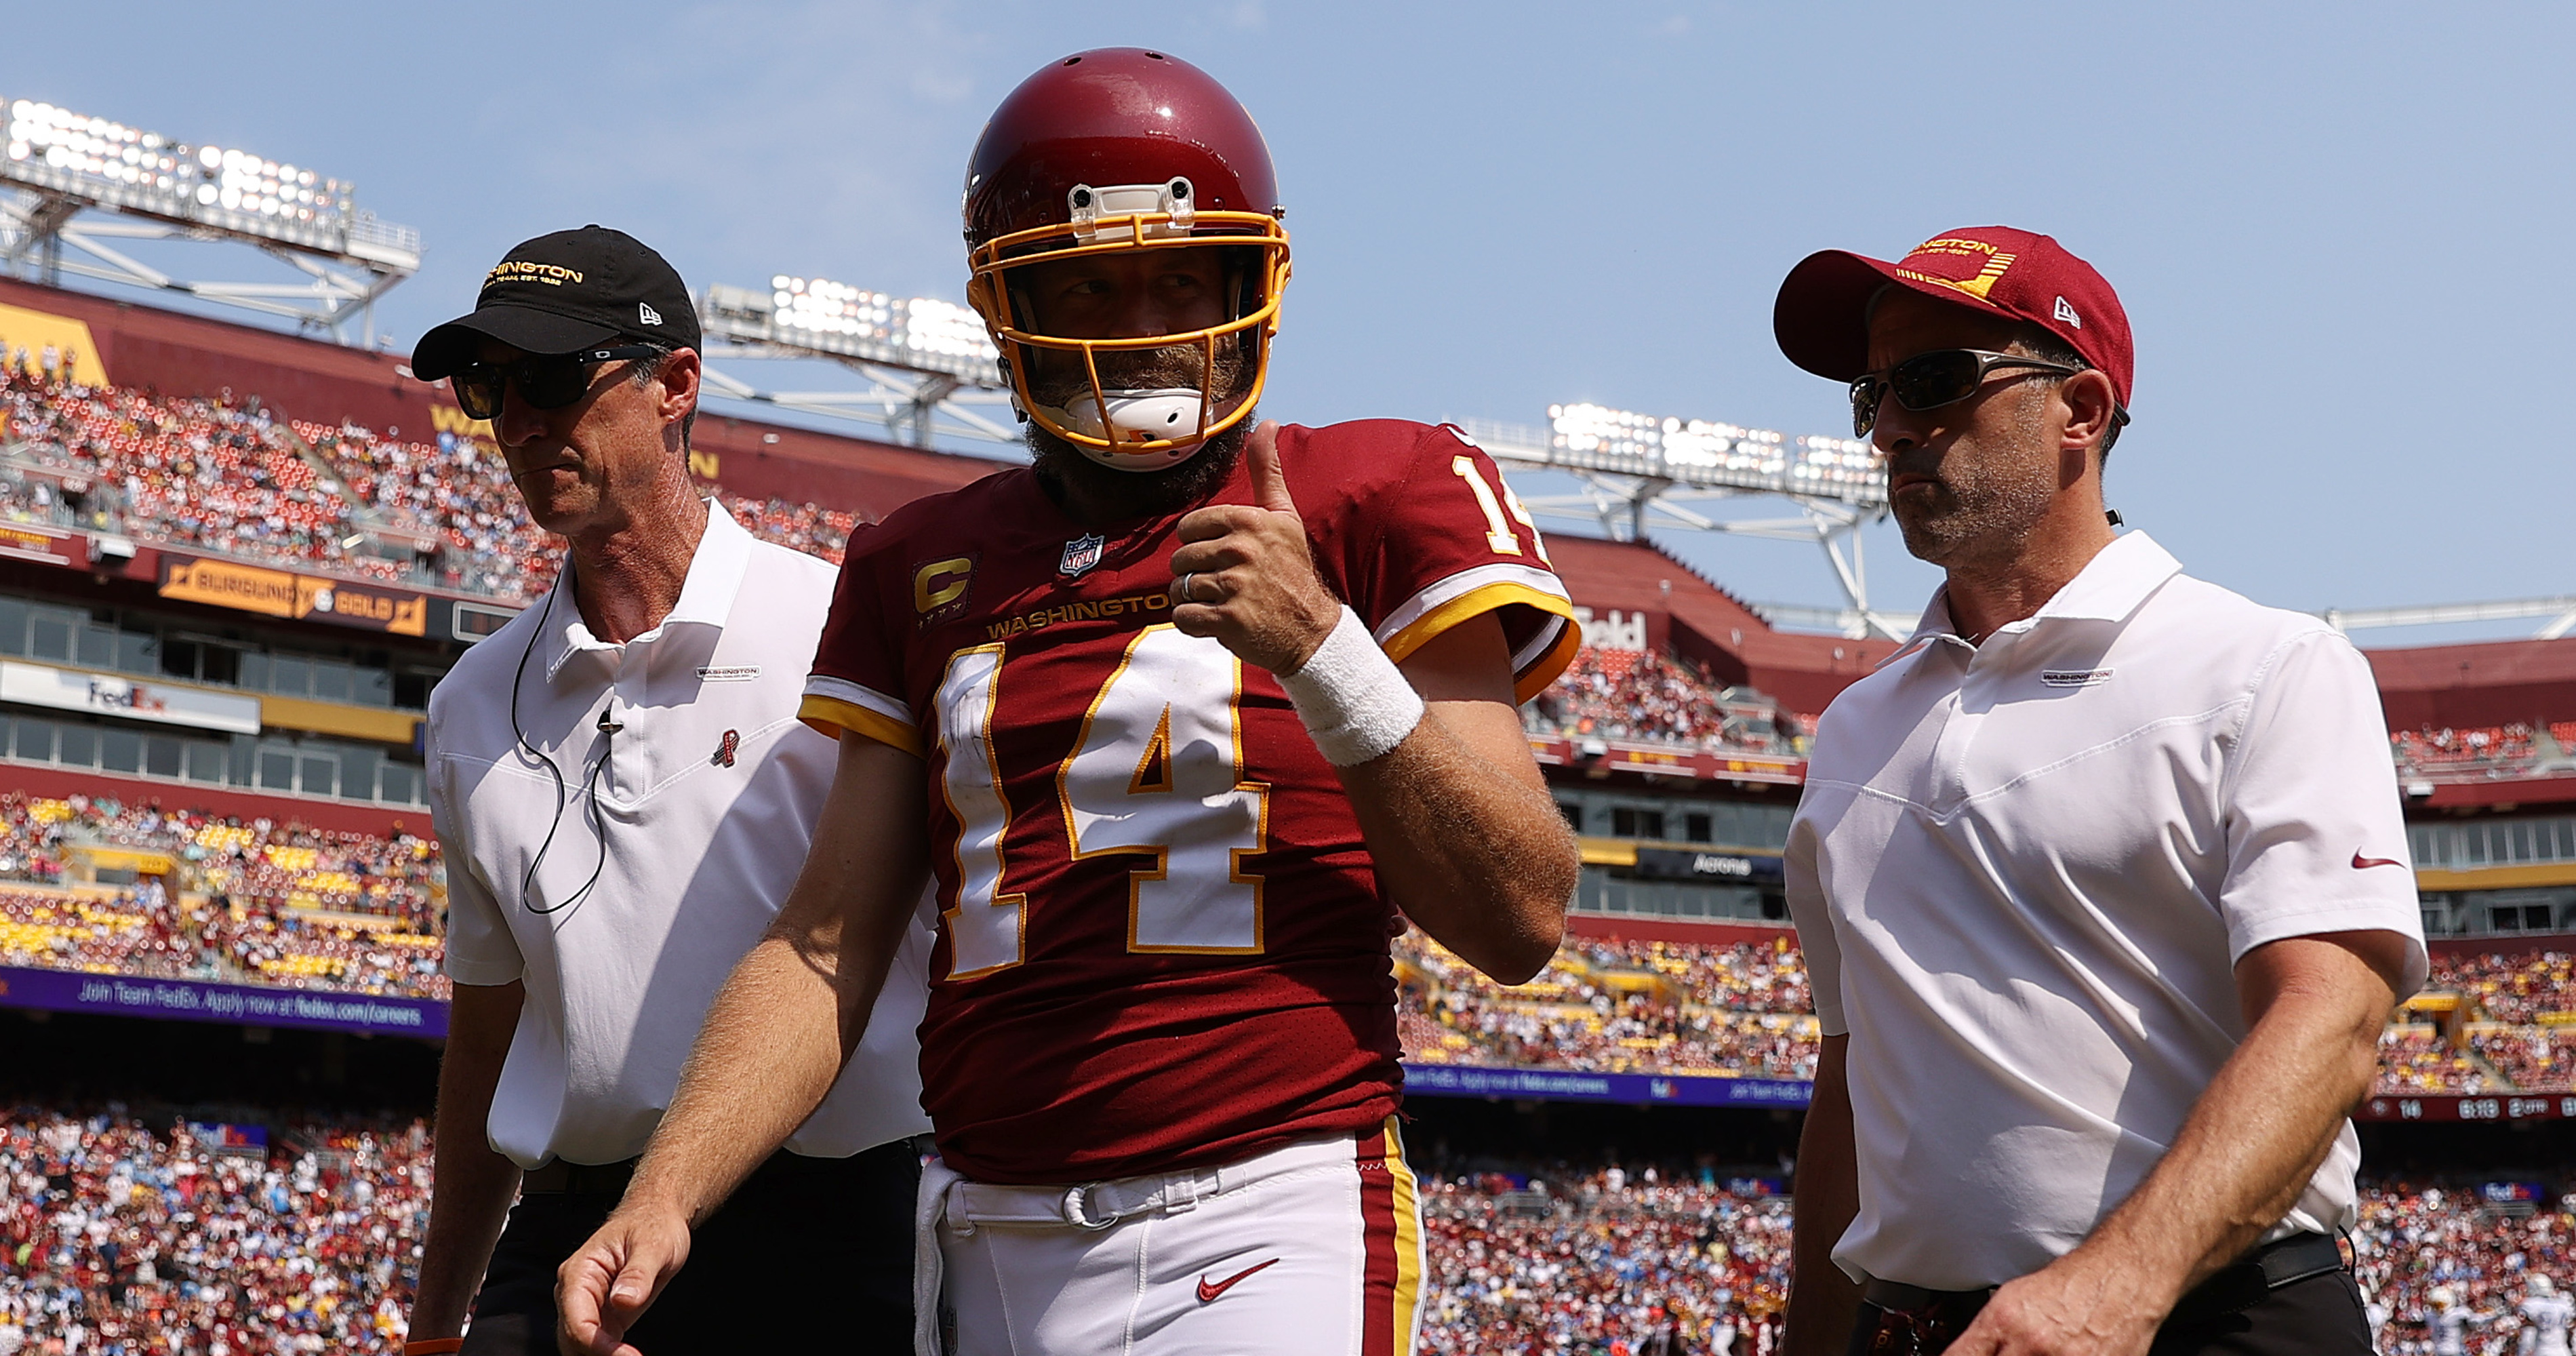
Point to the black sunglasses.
(546, 383)
(1928, 381)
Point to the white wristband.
(1353, 699)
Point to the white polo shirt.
(709, 795)
(2023, 872)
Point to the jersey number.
(1498, 534)
(1157, 769)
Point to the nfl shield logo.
(1080, 554)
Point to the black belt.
(2229, 1289)
(559, 1178)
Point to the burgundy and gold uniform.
(1162, 942)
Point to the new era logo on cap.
(645, 313)
(2067, 314)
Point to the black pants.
(810, 1255)
(2319, 1316)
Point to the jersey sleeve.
(856, 686)
(1451, 542)
(2316, 841)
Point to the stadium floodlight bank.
(828, 319)
(1705, 452)
(61, 164)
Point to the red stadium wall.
(2467, 686)
(1674, 930)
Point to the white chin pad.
(1136, 415)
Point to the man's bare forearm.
(1478, 857)
(765, 1059)
(475, 1185)
(795, 1007)
(1822, 1300)
(2257, 1134)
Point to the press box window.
(1631, 823)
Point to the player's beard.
(1062, 466)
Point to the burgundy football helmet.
(1113, 151)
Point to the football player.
(1180, 716)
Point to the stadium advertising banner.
(72, 690)
(1665, 760)
(303, 597)
(42, 544)
(192, 1000)
(1552, 1085)
(2511, 1106)
(1722, 868)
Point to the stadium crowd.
(1615, 1006)
(2414, 1236)
(261, 902)
(121, 1238)
(2494, 749)
(1602, 1261)
(1642, 695)
(194, 472)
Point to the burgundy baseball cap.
(1822, 315)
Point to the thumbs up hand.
(1245, 575)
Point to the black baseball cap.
(565, 292)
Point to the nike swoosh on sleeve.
(2361, 863)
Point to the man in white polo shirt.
(2101, 879)
(625, 795)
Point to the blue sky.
(2340, 231)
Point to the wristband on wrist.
(1353, 699)
(433, 1346)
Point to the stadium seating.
(2416, 1235)
(259, 902)
(2496, 750)
(1640, 695)
(2415, 1059)
(453, 491)
(117, 1236)
(116, 1230)
(1616, 1007)
(2515, 990)
(192, 472)
(1601, 1261)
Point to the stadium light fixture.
(94, 161)
(1707, 452)
(819, 310)
(823, 317)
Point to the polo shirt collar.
(2109, 587)
(706, 594)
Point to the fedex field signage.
(162, 703)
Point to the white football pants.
(1314, 1249)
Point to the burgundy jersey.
(1162, 942)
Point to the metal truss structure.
(2560, 615)
(1625, 497)
(918, 395)
(77, 193)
